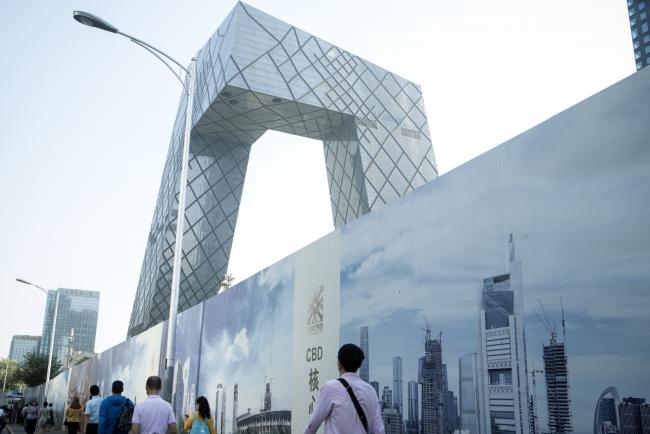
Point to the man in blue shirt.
(111, 409)
(91, 412)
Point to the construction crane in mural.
(534, 420)
(543, 319)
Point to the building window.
(639, 65)
(641, 6)
(643, 15)
(644, 27)
(646, 39)
(630, 12)
(630, 3)
(633, 21)
(501, 377)
(647, 49)
(635, 34)
(636, 44)
(637, 55)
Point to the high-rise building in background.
(76, 322)
(430, 377)
(451, 412)
(364, 370)
(413, 422)
(267, 398)
(235, 403)
(638, 13)
(372, 123)
(558, 399)
(501, 358)
(635, 416)
(218, 402)
(387, 398)
(398, 403)
(21, 345)
(468, 393)
(393, 421)
(375, 385)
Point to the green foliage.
(11, 372)
(33, 369)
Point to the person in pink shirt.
(153, 415)
(347, 405)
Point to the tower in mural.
(468, 393)
(267, 398)
(502, 371)
(412, 423)
(558, 399)
(219, 396)
(257, 73)
(235, 402)
(430, 377)
(397, 384)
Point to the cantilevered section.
(257, 73)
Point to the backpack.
(123, 421)
(199, 426)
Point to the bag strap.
(355, 401)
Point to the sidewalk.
(19, 429)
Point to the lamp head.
(91, 20)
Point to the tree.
(33, 369)
(11, 372)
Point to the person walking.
(43, 414)
(73, 416)
(201, 422)
(154, 415)
(115, 412)
(91, 412)
(3, 418)
(30, 413)
(347, 405)
(50, 417)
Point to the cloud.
(277, 274)
(239, 349)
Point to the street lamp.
(189, 83)
(56, 311)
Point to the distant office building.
(393, 422)
(375, 385)
(606, 416)
(397, 384)
(557, 387)
(218, 403)
(76, 322)
(364, 370)
(275, 422)
(430, 377)
(267, 398)
(468, 393)
(503, 372)
(412, 423)
(638, 13)
(387, 398)
(451, 412)
(235, 403)
(21, 345)
(635, 416)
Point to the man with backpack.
(154, 415)
(115, 412)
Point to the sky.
(87, 117)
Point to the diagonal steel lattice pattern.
(258, 73)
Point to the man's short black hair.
(118, 387)
(154, 383)
(94, 390)
(351, 357)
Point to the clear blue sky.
(86, 119)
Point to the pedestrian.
(154, 415)
(3, 418)
(91, 412)
(347, 405)
(73, 416)
(30, 413)
(201, 422)
(115, 412)
(43, 414)
(50, 417)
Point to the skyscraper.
(364, 370)
(393, 422)
(606, 416)
(503, 371)
(430, 378)
(451, 412)
(217, 408)
(412, 423)
(267, 398)
(638, 13)
(235, 402)
(468, 393)
(76, 322)
(21, 345)
(375, 385)
(635, 416)
(397, 384)
(372, 122)
(557, 387)
(387, 398)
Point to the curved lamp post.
(188, 84)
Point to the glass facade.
(258, 73)
(637, 11)
(21, 345)
(76, 322)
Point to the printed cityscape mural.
(509, 296)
